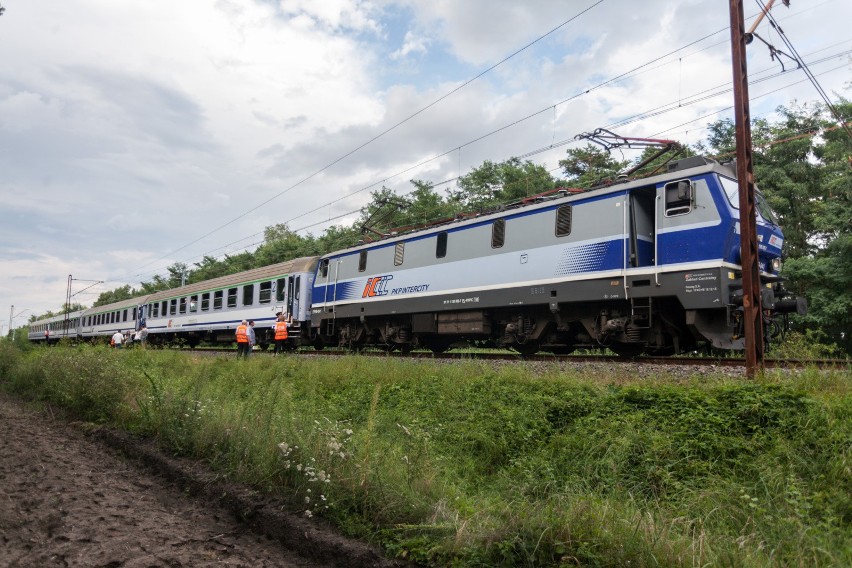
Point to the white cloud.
(413, 44)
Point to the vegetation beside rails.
(469, 465)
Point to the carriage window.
(193, 303)
(217, 300)
(248, 294)
(398, 253)
(265, 292)
(173, 307)
(362, 261)
(324, 268)
(124, 315)
(164, 311)
(232, 297)
(155, 310)
(183, 305)
(680, 196)
(498, 233)
(205, 301)
(281, 287)
(134, 314)
(441, 246)
(563, 221)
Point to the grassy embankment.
(465, 465)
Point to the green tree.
(122, 293)
(801, 165)
(590, 165)
(496, 183)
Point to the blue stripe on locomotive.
(345, 291)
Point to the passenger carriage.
(211, 310)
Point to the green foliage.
(589, 166)
(492, 184)
(466, 465)
(810, 345)
(117, 295)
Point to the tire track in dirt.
(71, 496)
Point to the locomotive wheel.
(627, 350)
(438, 346)
(528, 348)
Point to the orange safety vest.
(280, 330)
(242, 334)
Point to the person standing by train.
(280, 334)
(252, 338)
(117, 339)
(242, 339)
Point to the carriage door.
(142, 316)
(642, 244)
(289, 311)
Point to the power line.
(636, 118)
(806, 69)
(622, 76)
(381, 134)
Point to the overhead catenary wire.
(805, 68)
(635, 70)
(247, 247)
(651, 112)
(384, 132)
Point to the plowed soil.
(71, 495)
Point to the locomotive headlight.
(776, 264)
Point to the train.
(642, 266)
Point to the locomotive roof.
(694, 165)
(304, 264)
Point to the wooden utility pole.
(752, 312)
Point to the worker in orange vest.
(243, 344)
(280, 334)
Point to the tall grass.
(468, 465)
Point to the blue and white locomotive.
(646, 266)
(650, 265)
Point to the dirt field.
(71, 497)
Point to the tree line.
(802, 162)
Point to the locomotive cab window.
(362, 261)
(441, 245)
(323, 268)
(498, 233)
(680, 197)
(563, 221)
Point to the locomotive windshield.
(731, 188)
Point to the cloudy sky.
(136, 134)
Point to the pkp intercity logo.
(377, 286)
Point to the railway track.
(672, 361)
